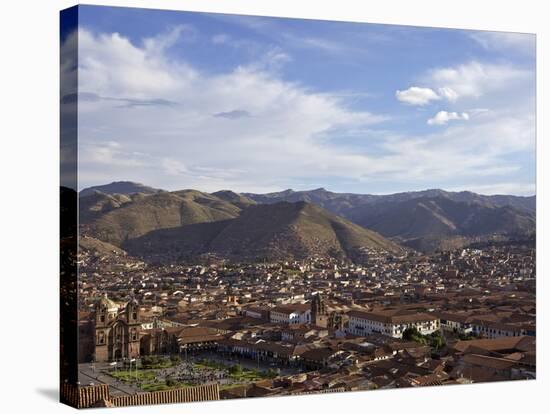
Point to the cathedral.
(116, 330)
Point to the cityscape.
(257, 207)
(392, 318)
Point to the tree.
(170, 381)
(148, 361)
(410, 333)
(436, 340)
(270, 373)
(236, 369)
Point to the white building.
(492, 330)
(455, 323)
(391, 323)
(292, 313)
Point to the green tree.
(170, 381)
(270, 373)
(147, 361)
(410, 333)
(436, 340)
(236, 369)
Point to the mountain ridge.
(119, 187)
(145, 213)
(424, 220)
(129, 187)
(278, 231)
(528, 202)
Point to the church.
(116, 330)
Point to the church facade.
(116, 331)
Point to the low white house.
(455, 322)
(391, 323)
(292, 313)
(492, 330)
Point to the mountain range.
(341, 203)
(279, 231)
(425, 220)
(151, 222)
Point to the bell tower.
(319, 314)
(133, 321)
(101, 315)
(101, 352)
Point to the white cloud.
(442, 117)
(106, 153)
(522, 43)
(474, 79)
(448, 93)
(469, 80)
(417, 96)
(173, 167)
(169, 38)
(110, 65)
(186, 144)
(461, 153)
(272, 60)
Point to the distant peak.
(127, 182)
(224, 192)
(119, 187)
(286, 192)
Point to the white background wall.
(29, 204)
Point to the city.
(265, 206)
(320, 325)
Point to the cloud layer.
(147, 116)
(228, 130)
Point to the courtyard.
(159, 373)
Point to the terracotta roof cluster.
(520, 343)
(393, 316)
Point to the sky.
(180, 100)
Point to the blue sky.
(209, 101)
